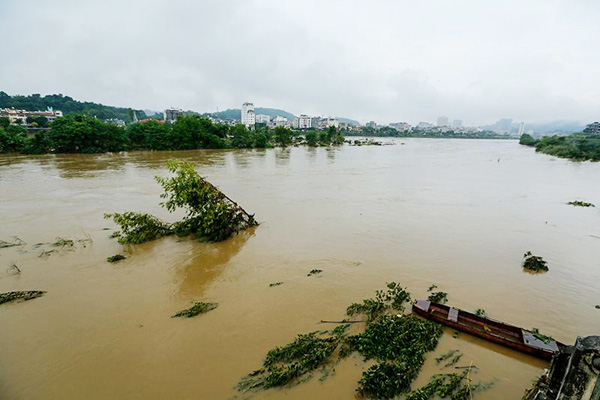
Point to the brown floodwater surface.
(457, 213)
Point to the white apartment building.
(442, 121)
(262, 119)
(248, 116)
(304, 122)
(332, 122)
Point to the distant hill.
(235, 113)
(348, 121)
(67, 105)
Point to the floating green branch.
(446, 356)
(578, 203)
(534, 263)
(437, 297)
(198, 308)
(20, 296)
(210, 214)
(138, 227)
(16, 242)
(275, 284)
(285, 365)
(393, 298)
(455, 386)
(115, 258)
(314, 272)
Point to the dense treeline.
(83, 134)
(68, 106)
(578, 147)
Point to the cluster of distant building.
(22, 117)
(249, 118)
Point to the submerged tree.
(210, 214)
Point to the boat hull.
(490, 330)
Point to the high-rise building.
(171, 114)
(304, 122)
(457, 123)
(248, 116)
(442, 121)
(521, 128)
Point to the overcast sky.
(387, 61)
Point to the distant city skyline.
(474, 61)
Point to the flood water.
(457, 213)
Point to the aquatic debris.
(20, 296)
(209, 214)
(115, 258)
(398, 343)
(445, 356)
(285, 365)
(314, 272)
(534, 263)
(437, 297)
(16, 242)
(198, 308)
(454, 386)
(454, 360)
(275, 284)
(480, 312)
(61, 242)
(598, 306)
(578, 203)
(13, 266)
(138, 227)
(393, 298)
(540, 336)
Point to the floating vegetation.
(598, 306)
(16, 242)
(578, 203)
(275, 284)
(398, 343)
(480, 312)
(393, 298)
(536, 333)
(314, 272)
(138, 227)
(20, 296)
(453, 386)
(61, 242)
(437, 297)
(454, 360)
(115, 258)
(445, 356)
(285, 365)
(198, 308)
(534, 263)
(209, 214)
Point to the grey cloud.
(383, 60)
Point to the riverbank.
(576, 147)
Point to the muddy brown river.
(457, 213)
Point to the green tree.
(312, 138)
(4, 122)
(13, 139)
(241, 137)
(283, 136)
